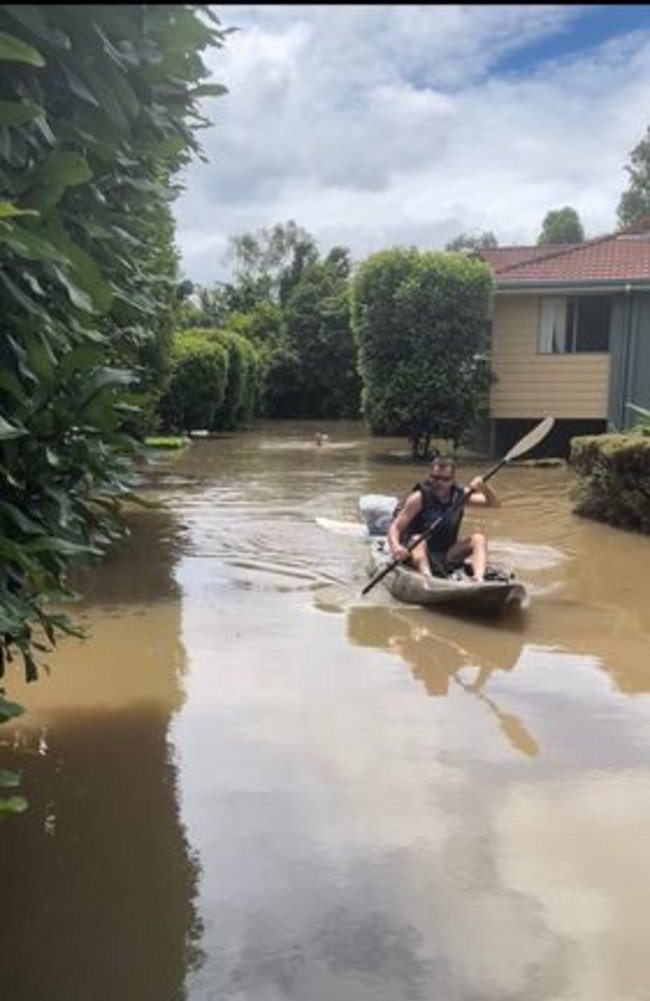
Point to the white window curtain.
(552, 325)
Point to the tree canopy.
(635, 202)
(292, 303)
(313, 371)
(420, 322)
(472, 241)
(561, 226)
(269, 262)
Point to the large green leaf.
(102, 379)
(83, 279)
(18, 112)
(11, 385)
(54, 545)
(34, 18)
(42, 358)
(14, 514)
(78, 296)
(14, 50)
(30, 244)
(8, 210)
(8, 430)
(63, 169)
(78, 87)
(9, 780)
(9, 710)
(209, 90)
(25, 301)
(13, 804)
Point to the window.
(575, 323)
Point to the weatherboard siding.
(572, 386)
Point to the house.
(570, 337)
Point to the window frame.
(559, 321)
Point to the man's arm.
(482, 493)
(398, 525)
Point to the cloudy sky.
(376, 126)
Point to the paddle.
(523, 445)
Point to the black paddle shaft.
(523, 445)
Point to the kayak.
(498, 590)
(457, 589)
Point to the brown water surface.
(251, 784)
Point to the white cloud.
(379, 125)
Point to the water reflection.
(99, 896)
(438, 660)
(98, 900)
(140, 568)
(236, 795)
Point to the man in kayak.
(440, 499)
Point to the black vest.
(432, 509)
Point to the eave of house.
(554, 287)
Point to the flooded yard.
(252, 784)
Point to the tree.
(98, 110)
(313, 373)
(207, 306)
(269, 263)
(293, 304)
(420, 322)
(468, 241)
(635, 202)
(561, 226)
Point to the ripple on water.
(527, 556)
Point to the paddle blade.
(531, 439)
(524, 444)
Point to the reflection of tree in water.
(427, 645)
(139, 567)
(99, 896)
(101, 884)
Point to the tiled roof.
(504, 257)
(616, 258)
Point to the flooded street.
(252, 784)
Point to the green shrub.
(197, 385)
(613, 479)
(241, 393)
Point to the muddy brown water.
(251, 784)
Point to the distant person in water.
(440, 499)
(321, 438)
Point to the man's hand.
(481, 492)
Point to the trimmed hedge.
(613, 479)
(197, 386)
(214, 382)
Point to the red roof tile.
(617, 258)
(504, 257)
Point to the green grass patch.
(167, 442)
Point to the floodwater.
(251, 784)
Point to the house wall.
(629, 378)
(530, 385)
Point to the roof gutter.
(561, 288)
